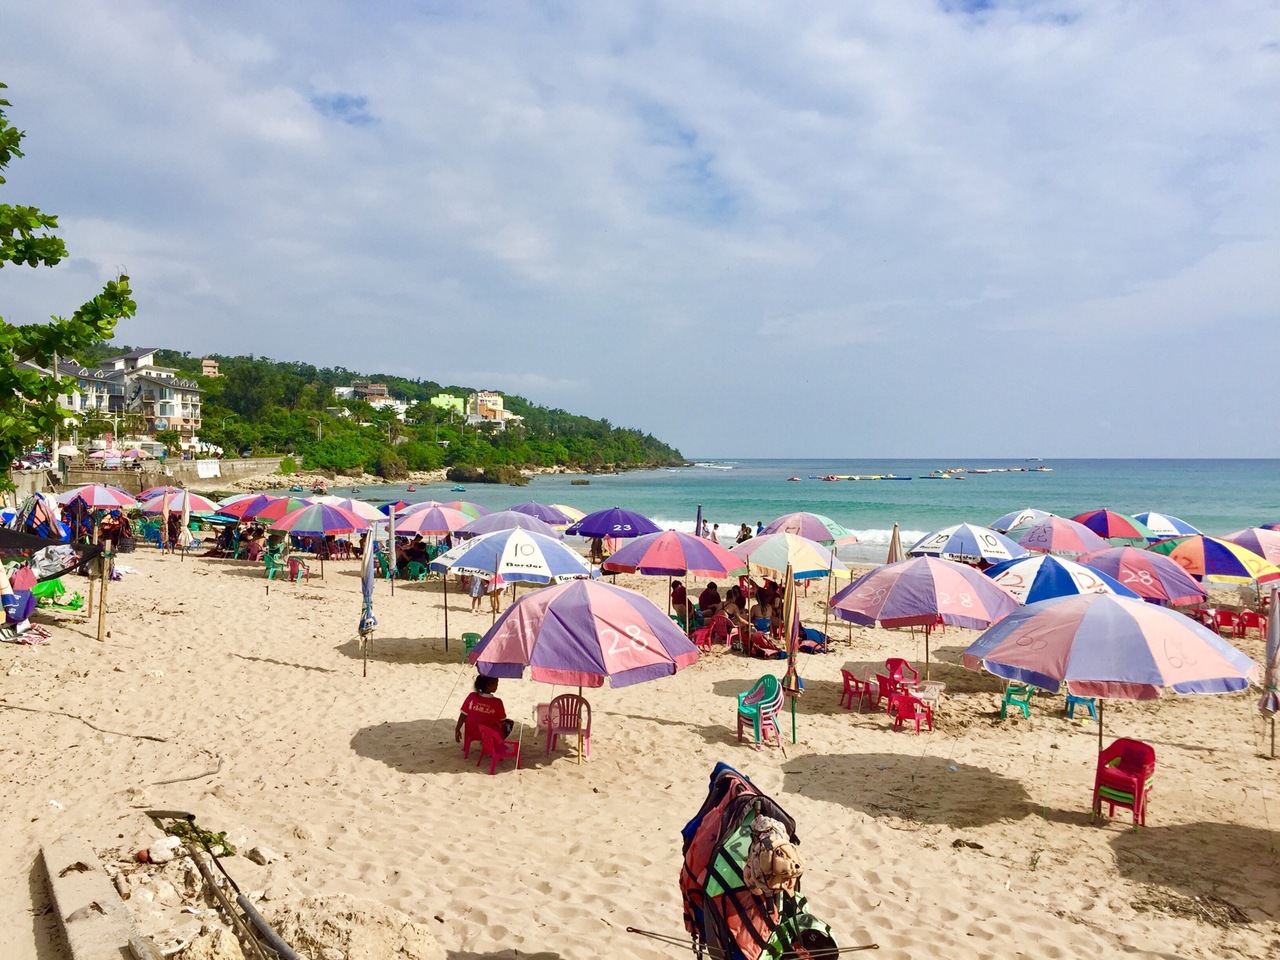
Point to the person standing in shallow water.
(715, 533)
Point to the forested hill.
(270, 406)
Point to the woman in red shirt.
(484, 708)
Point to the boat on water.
(320, 490)
(792, 479)
(1043, 470)
(459, 489)
(714, 466)
(295, 489)
(580, 483)
(944, 476)
(411, 488)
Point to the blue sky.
(895, 228)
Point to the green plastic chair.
(417, 571)
(1017, 695)
(274, 563)
(759, 707)
(469, 641)
(384, 568)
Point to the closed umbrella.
(368, 622)
(1270, 702)
(184, 529)
(1106, 646)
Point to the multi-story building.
(165, 400)
(487, 407)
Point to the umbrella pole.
(102, 596)
(1101, 701)
(579, 726)
(928, 629)
(1273, 738)
(446, 607)
(826, 616)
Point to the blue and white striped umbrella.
(1163, 526)
(966, 543)
(1044, 576)
(515, 555)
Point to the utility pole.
(319, 427)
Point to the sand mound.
(357, 929)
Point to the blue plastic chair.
(1089, 703)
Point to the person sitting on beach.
(416, 551)
(761, 611)
(709, 599)
(744, 533)
(483, 708)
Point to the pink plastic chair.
(495, 748)
(902, 672)
(906, 707)
(1250, 620)
(855, 688)
(1226, 620)
(1126, 770)
(470, 735)
(298, 570)
(562, 718)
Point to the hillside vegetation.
(277, 407)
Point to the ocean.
(1218, 496)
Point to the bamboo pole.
(102, 597)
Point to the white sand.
(358, 784)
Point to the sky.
(889, 228)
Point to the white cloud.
(632, 194)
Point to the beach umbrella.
(394, 506)
(180, 501)
(152, 492)
(1151, 576)
(105, 455)
(433, 522)
(1203, 556)
(408, 508)
(516, 555)
(573, 513)
(582, 633)
(274, 509)
(1060, 535)
(509, 520)
(671, 553)
(895, 546)
(233, 499)
(472, 510)
(97, 496)
(773, 554)
(1106, 646)
(361, 508)
(1019, 518)
(138, 455)
(1163, 526)
(916, 592)
(544, 512)
(1114, 526)
(614, 522)
(966, 543)
(1265, 543)
(1270, 702)
(813, 526)
(245, 508)
(319, 520)
(368, 622)
(1044, 576)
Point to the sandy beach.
(971, 841)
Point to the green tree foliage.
(29, 407)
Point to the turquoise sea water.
(1218, 496)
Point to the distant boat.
(459, 489)
(714, 466)
(580, 483)
(411, 488)
(295, 489)
(1035, 459)
(793, 478)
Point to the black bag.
(127, 545)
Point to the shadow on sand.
(413, 650)
(925, 789)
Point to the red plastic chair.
(1250, 620)
(1126, 770)
(470, 734)
(855, 689)
(298, 570)
(717, 630)
(902, 672)
(886, 689)
(906, 707)
(492, 745)
(1226, 620)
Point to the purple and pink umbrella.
(1265, 543)
(1060, 535)
(1101, 645)
(916, 592)
(1151, 576)
(580, 634)
(178, 502)
(432, 522)
(508, 520)
(674, 554)
(552, 516)
(98, 496)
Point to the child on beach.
(477, 591)
(483, 708)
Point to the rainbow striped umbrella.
(1111, 525)
(472, 510)
(275, 509)
(1265, 543)
(1203, 556)
(318, 520)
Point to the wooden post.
(102, 596)
(446, 608)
